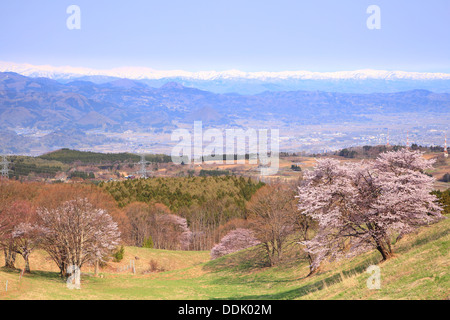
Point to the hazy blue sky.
(250, 35)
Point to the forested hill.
(229, 193)
(71, 156)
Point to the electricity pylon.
(5, 167)
(143, 167)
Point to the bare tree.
(140, 220)
(273, 212)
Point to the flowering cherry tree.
(77, 233)
(185, 236)
(171, 232)
(361, 206)
(24, 233)
(233, 241)
(18, 236)
(27, 237)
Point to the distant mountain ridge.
(67, 110)
(358, 81)
(124, 104)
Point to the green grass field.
(420, 270)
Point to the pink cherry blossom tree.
(15, 215)
(185, 237)
(24, 233)
(77, 233)
(361, 206)
(27, 237)
(233, 241)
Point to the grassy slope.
(420, 270)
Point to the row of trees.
(181, 192)
(205, 204)
(71, 223)
(75, 156)
(36, 215)
(193, 228)
(341, 209)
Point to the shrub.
(154, 267)
(148, 243)
(446, 178)
(118, 255)
(444, 199)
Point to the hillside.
(419, 270)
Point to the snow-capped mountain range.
(141, 73)
(235, 81)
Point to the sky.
(248, 35)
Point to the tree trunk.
(96, 268)
(27, 264)
(269, 254)
(10, 258)
(312, 270)
(384, 249)
(63, 268)
(279, 250)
